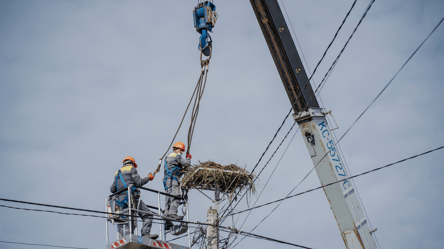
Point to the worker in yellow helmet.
(174, 164)
(127, 176)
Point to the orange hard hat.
(179, 145)
(131, 159)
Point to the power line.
(364, 110)
(318, 87)
(405, 63)
(355, 188)
(272, 173)
(29, 244)
(345, 179)
(260, 159)
(319, 62)
(340, 53)
(264, 188)
(294, 33)
(374, 100)
(51, 211)
(257, 177)
(273, 240)
(204, 194)
(85, 215)
(334, 37)
(95, 211)
(55, 206)
(79, 209)
(308, 81)
(183, 236)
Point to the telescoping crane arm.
(354, 228)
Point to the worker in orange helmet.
(174, 164)
(125, 177)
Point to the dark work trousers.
(171, 203)
(147, 219)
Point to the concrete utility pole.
(212, 231)
(352, 223)
(213, 218)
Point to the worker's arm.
(113, 188)
(184, 162)
(139, 181)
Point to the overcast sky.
(83, 84)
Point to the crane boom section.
(342, 197)
(285, 55)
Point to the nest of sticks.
(207, 175)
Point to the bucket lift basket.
(116, 216)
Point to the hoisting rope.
(205, 17)
(205, 65)
(197, 96)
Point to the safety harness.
(170, 173)
(124, 203)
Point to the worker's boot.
(168, 225)
(151, 236)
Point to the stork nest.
(207, 175)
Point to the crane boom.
(285, 55)
(342, 197)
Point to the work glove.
(189, 156)
(151, 177)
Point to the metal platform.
(133, 240)
(139, 242)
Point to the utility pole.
(352, 223)
(213, 218)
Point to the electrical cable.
(334, 37)
(355, 188)
(29, 244)
(345, 179)
(63, 213)
(204, 193)
(197, 223)
(257, 177)
(374, 100)
(370, 103)
(51, 211)
(95, 211)
(340, 53)
(318, 94)
(272, 173)
(266, 149)
(183, 236)
(55, 206)
(77, 209)
(273, 240)
(308, 81)
(405, 63)
(319, 62)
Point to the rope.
(197, 96)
